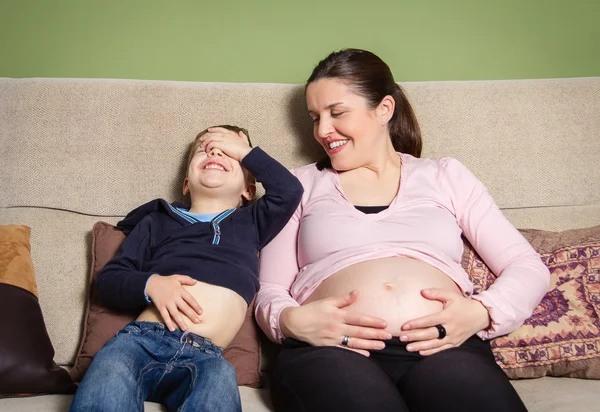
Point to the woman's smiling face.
(343, 123)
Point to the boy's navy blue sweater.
(224, 252)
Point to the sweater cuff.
(257, 162)
(493, 330)
(146, 286)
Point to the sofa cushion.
(101, 323)
(562, 337)
(26, 354)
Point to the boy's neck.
(205, 206)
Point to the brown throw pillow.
(26, 354)
(101, 323)
(562, 337)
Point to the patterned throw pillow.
(562, 337)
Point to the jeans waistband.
(182, 337)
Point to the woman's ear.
(385, 110)
(186, 188)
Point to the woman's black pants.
(463, 379)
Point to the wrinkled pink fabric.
(438, 200)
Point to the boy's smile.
(214, 164)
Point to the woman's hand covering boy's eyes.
(232, 144)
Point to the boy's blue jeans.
(145, 361)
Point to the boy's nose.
(215, 152)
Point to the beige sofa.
(75, 151)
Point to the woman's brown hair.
(368, 76)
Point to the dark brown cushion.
(26, 354)
(101, 323)
(562, 337)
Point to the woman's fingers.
(357, 319)
(436, 350)
(419, 334)
(368, 333)
(344, 300)
(359, 351)
(424, 322)
(365, 344)
(427, 345)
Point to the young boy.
(192, 273)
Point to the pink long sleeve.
(522, 278)
(278, 269)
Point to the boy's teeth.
(339, 143)
(214, 166)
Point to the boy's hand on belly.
(461, 318)
(171, 299)
(326, 322)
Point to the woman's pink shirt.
(438, 200)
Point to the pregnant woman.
(364, 286)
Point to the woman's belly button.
(389, 289)
(394, 305)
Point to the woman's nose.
(324, 128)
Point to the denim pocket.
(130, 329)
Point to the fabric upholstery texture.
(76, 151)
(562, 337)
(124, 141)
(26, 354)
(102, 323)
(501, 130)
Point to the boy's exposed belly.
(223, 312)
(389, 288)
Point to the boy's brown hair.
(250, 179)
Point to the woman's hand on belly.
(461, 318)
(325, 322)
(170, 297)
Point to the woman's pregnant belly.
(388, 288)
(223, 312)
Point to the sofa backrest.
(74, 151)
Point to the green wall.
(280, 41)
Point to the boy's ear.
(186, 188)
(250, 191)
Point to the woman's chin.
(339, 163)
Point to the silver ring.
(345, 340)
